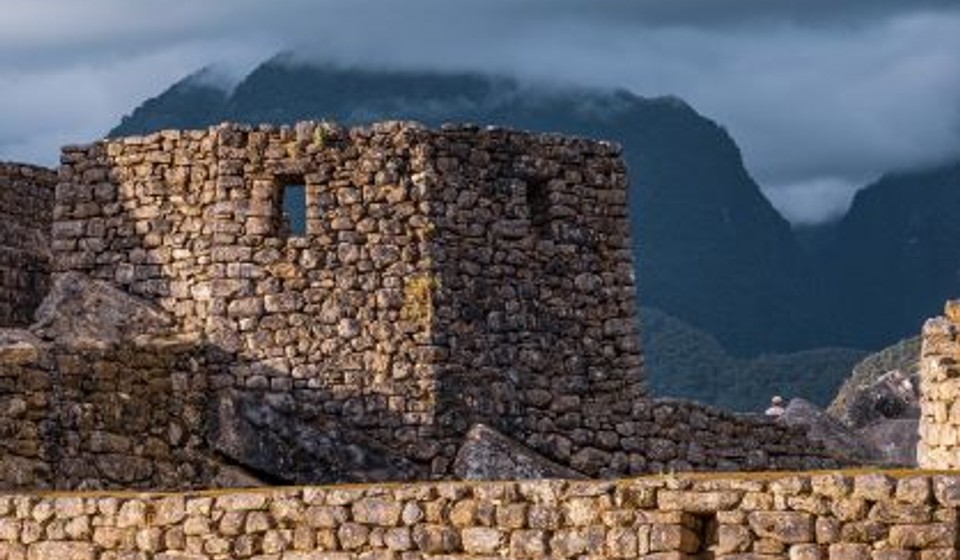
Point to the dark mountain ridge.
(710, 247)
(895, 256)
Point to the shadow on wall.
(94, 404)
(26, 210)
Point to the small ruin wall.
(26, 212)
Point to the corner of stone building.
(939, 445)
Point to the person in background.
(776, 409)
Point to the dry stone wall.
(125, 417)
(429, 269)
(26, 212)
(445, 278)
(939, 445)
(821, 516)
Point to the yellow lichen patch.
(418, 297)
(427, 232)
(293, 149)
(320, 135)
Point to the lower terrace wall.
(849, 516)
(26, 212)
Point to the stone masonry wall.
(825, 516)
(26, 212)
(435, 263)
(939, 445)
(127, 417)
(446, 277)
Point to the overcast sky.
(821, 95)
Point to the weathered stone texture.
(446, 278)
(682, 517)
(26, 212)
(939, 445)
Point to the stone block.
(786, 527)
(918, 537)
(697, 502)
(382, 512)
(482, 540)
(806, 552)
(849, 551)
(61, 551)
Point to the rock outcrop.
(825, 429)
(486, 454)
(80, 312)
(883, 386)
(281, 443)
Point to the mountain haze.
(711, 249)
(748, 306)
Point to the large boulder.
(486, 454)
(894, 442)
(80, 311)
(836, 437)
(892, 396)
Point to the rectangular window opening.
(293, 206)
(538, 204)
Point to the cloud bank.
(821, 96)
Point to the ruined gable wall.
(939, 445)
(538, 298)
(26, 212)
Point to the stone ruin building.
(455, 304)
(442, 281)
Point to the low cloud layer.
(821, 98)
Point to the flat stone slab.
(80, 311)
(486, 454)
